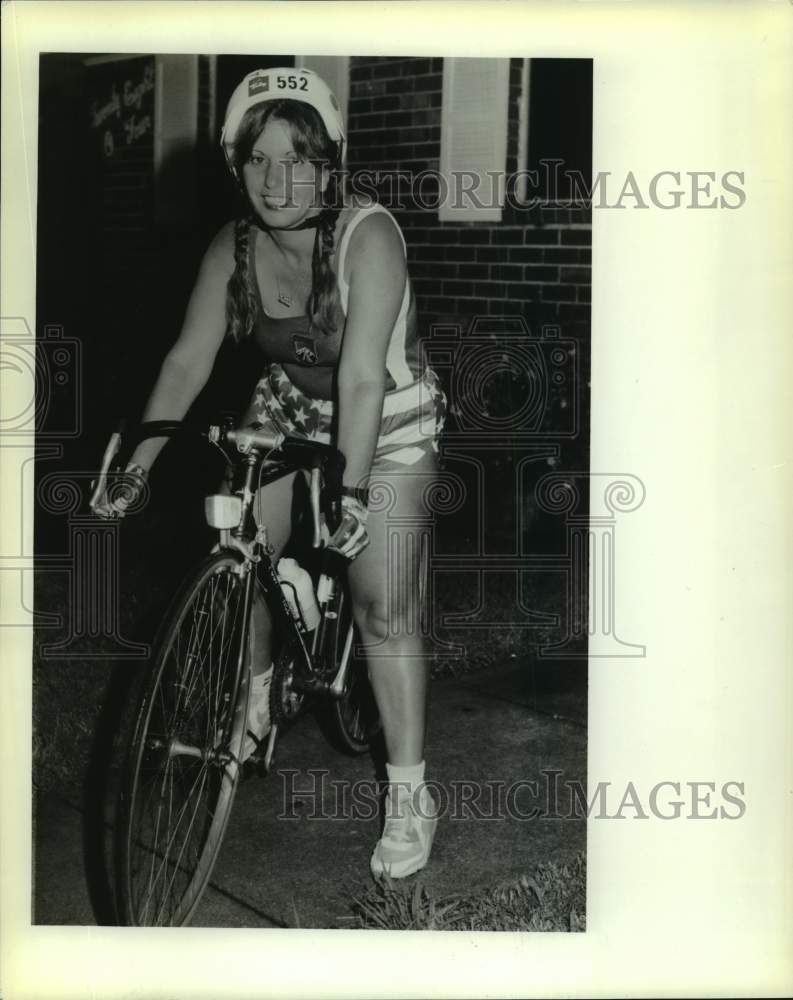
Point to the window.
(175, 134)
(335, 71)
(555, 137)
(473, 139)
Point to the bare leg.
(273, 506)
(384, 581)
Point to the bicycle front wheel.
(183, 764)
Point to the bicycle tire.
(186, 743)
(353, 721)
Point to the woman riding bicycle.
(320, 282)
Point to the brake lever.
(99, 484)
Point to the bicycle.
(184, 762)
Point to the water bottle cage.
(298, 617)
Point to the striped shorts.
(413, 416)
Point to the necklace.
(286, 299)
(300, 286)
(283, 298)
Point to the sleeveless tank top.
(291, 340)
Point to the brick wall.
(534, 263)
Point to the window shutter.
(474, 138)
(335, 71)
(175, 135)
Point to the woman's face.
(281, 186)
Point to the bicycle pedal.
(253, 767)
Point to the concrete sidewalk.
(299, 839)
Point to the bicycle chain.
(285, 702)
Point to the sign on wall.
(122, 104)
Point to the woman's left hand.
(126, 493)
(351, 536)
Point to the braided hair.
(240, 300)
(324, 289)
(310, 139)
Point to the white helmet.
(282, 83)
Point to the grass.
(552, 899)
(66, 703)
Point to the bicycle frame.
(251, 539)
(255, 445)
(191, 732)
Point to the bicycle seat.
(311, 453)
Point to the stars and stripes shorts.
(413, 416)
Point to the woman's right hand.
(125, 493)
(351, 536)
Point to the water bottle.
(299, 592)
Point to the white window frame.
(175, 135)
(490, 160)
(335, 71)
(522, 191)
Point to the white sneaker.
(258, 722)
(408, 832)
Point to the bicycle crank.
(286, 700)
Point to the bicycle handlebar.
(248, 438)
(301, 451)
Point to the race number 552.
(291, 82)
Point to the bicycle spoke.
(212, 717)
(207, 670)
(193, 665)
(204, 671)
(221, 657)
(164, 853)
(156, 829)
(356, 719)
(182, 784)
(176, 864)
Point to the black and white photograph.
(394, 499)
(314, 549)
